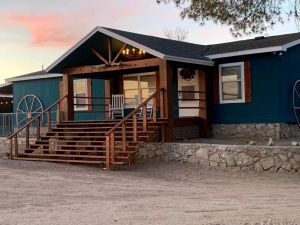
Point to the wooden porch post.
(107, 97)
(68, 89)
(165, 75)
(203, 103)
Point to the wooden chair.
(117, 106)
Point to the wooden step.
(131, 143)
(30, 150)
(97, 128)
(76, 146)
(63, 160)
(128, 138)
(62, 155)
(95, 132)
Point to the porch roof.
(6, 90)
(159, 47)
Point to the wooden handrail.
(110, 135)
(36, 118)
(144, 103)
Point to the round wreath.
(187, 74)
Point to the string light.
(133, 53)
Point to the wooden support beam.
(99, 56)
(119, 53)
(109, 50)
(16, 146)
(154, 109)
(68, 89)
(203, 103)
(11, 148)
(49, 120)
(144, 117)
(27, 137)
(165, 75)
(123, 66)
(112, 147)
(124, 143)
(38, 129)
(134, 125)
(107, 149)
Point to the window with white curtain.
(81, 90)
(231, 83)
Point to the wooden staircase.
(106, 142)
(85, 142)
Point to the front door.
(188, 92)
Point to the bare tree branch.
(179, 34)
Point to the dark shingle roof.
(165, 46)
(196, 51)
(249, 44)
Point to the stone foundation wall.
(256, 131)
(244, 157)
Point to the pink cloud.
(64, 29)
(44, 29)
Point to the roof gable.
(158, 47)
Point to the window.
(138, 88)
(231, 83)
(80, 94)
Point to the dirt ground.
(148, 193)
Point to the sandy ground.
(148, 193)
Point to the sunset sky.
(36, 32)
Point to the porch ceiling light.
(132, 53)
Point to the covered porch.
(135, 71)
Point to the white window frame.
(86, 107)
(138, 75)
(242, 100)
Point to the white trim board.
(241, 100)
(33, 77)
(5, 84)
(282, 48)
(246, 52)
(6, 96)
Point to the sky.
(34, 33)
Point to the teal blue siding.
(47, 90)
(290, 72)
(272, 78)
(97, 91)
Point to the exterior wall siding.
(290, 73)
(47, 90)
(267, 94)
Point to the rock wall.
(244, 157)
(256, 130)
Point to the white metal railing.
(7, 124)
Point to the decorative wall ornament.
(187, 73)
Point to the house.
(239, 89)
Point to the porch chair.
(149, 110)
(116, 108)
